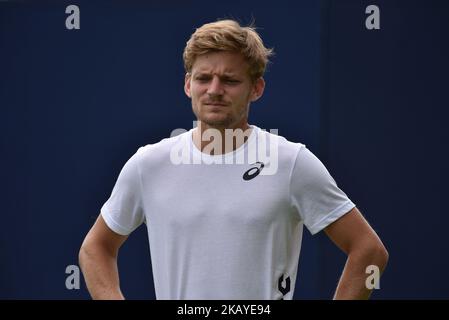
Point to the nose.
(215, 87)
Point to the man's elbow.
(379, 254)
(82, 256)
(86, 253)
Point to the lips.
(216, 104)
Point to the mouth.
(215, 104)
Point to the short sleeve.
(123, 212)
(315, 194)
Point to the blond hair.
(228, 35)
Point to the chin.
(216, 121)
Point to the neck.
(215, 140)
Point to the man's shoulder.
(159, 153)
(283, 144)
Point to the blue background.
(76, 104)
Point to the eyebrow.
(224, 75)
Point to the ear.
(258, 88)
(187, 84)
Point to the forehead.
(221, 63)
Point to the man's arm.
(98, 261)
(352, 234)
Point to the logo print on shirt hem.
(282, 289)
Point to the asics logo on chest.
(254, 171)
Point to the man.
(225, 222)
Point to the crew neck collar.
(229, 155)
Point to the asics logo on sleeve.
(254, 171)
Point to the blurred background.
(76, 104)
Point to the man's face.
(221, 89)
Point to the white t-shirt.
(220, 227)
